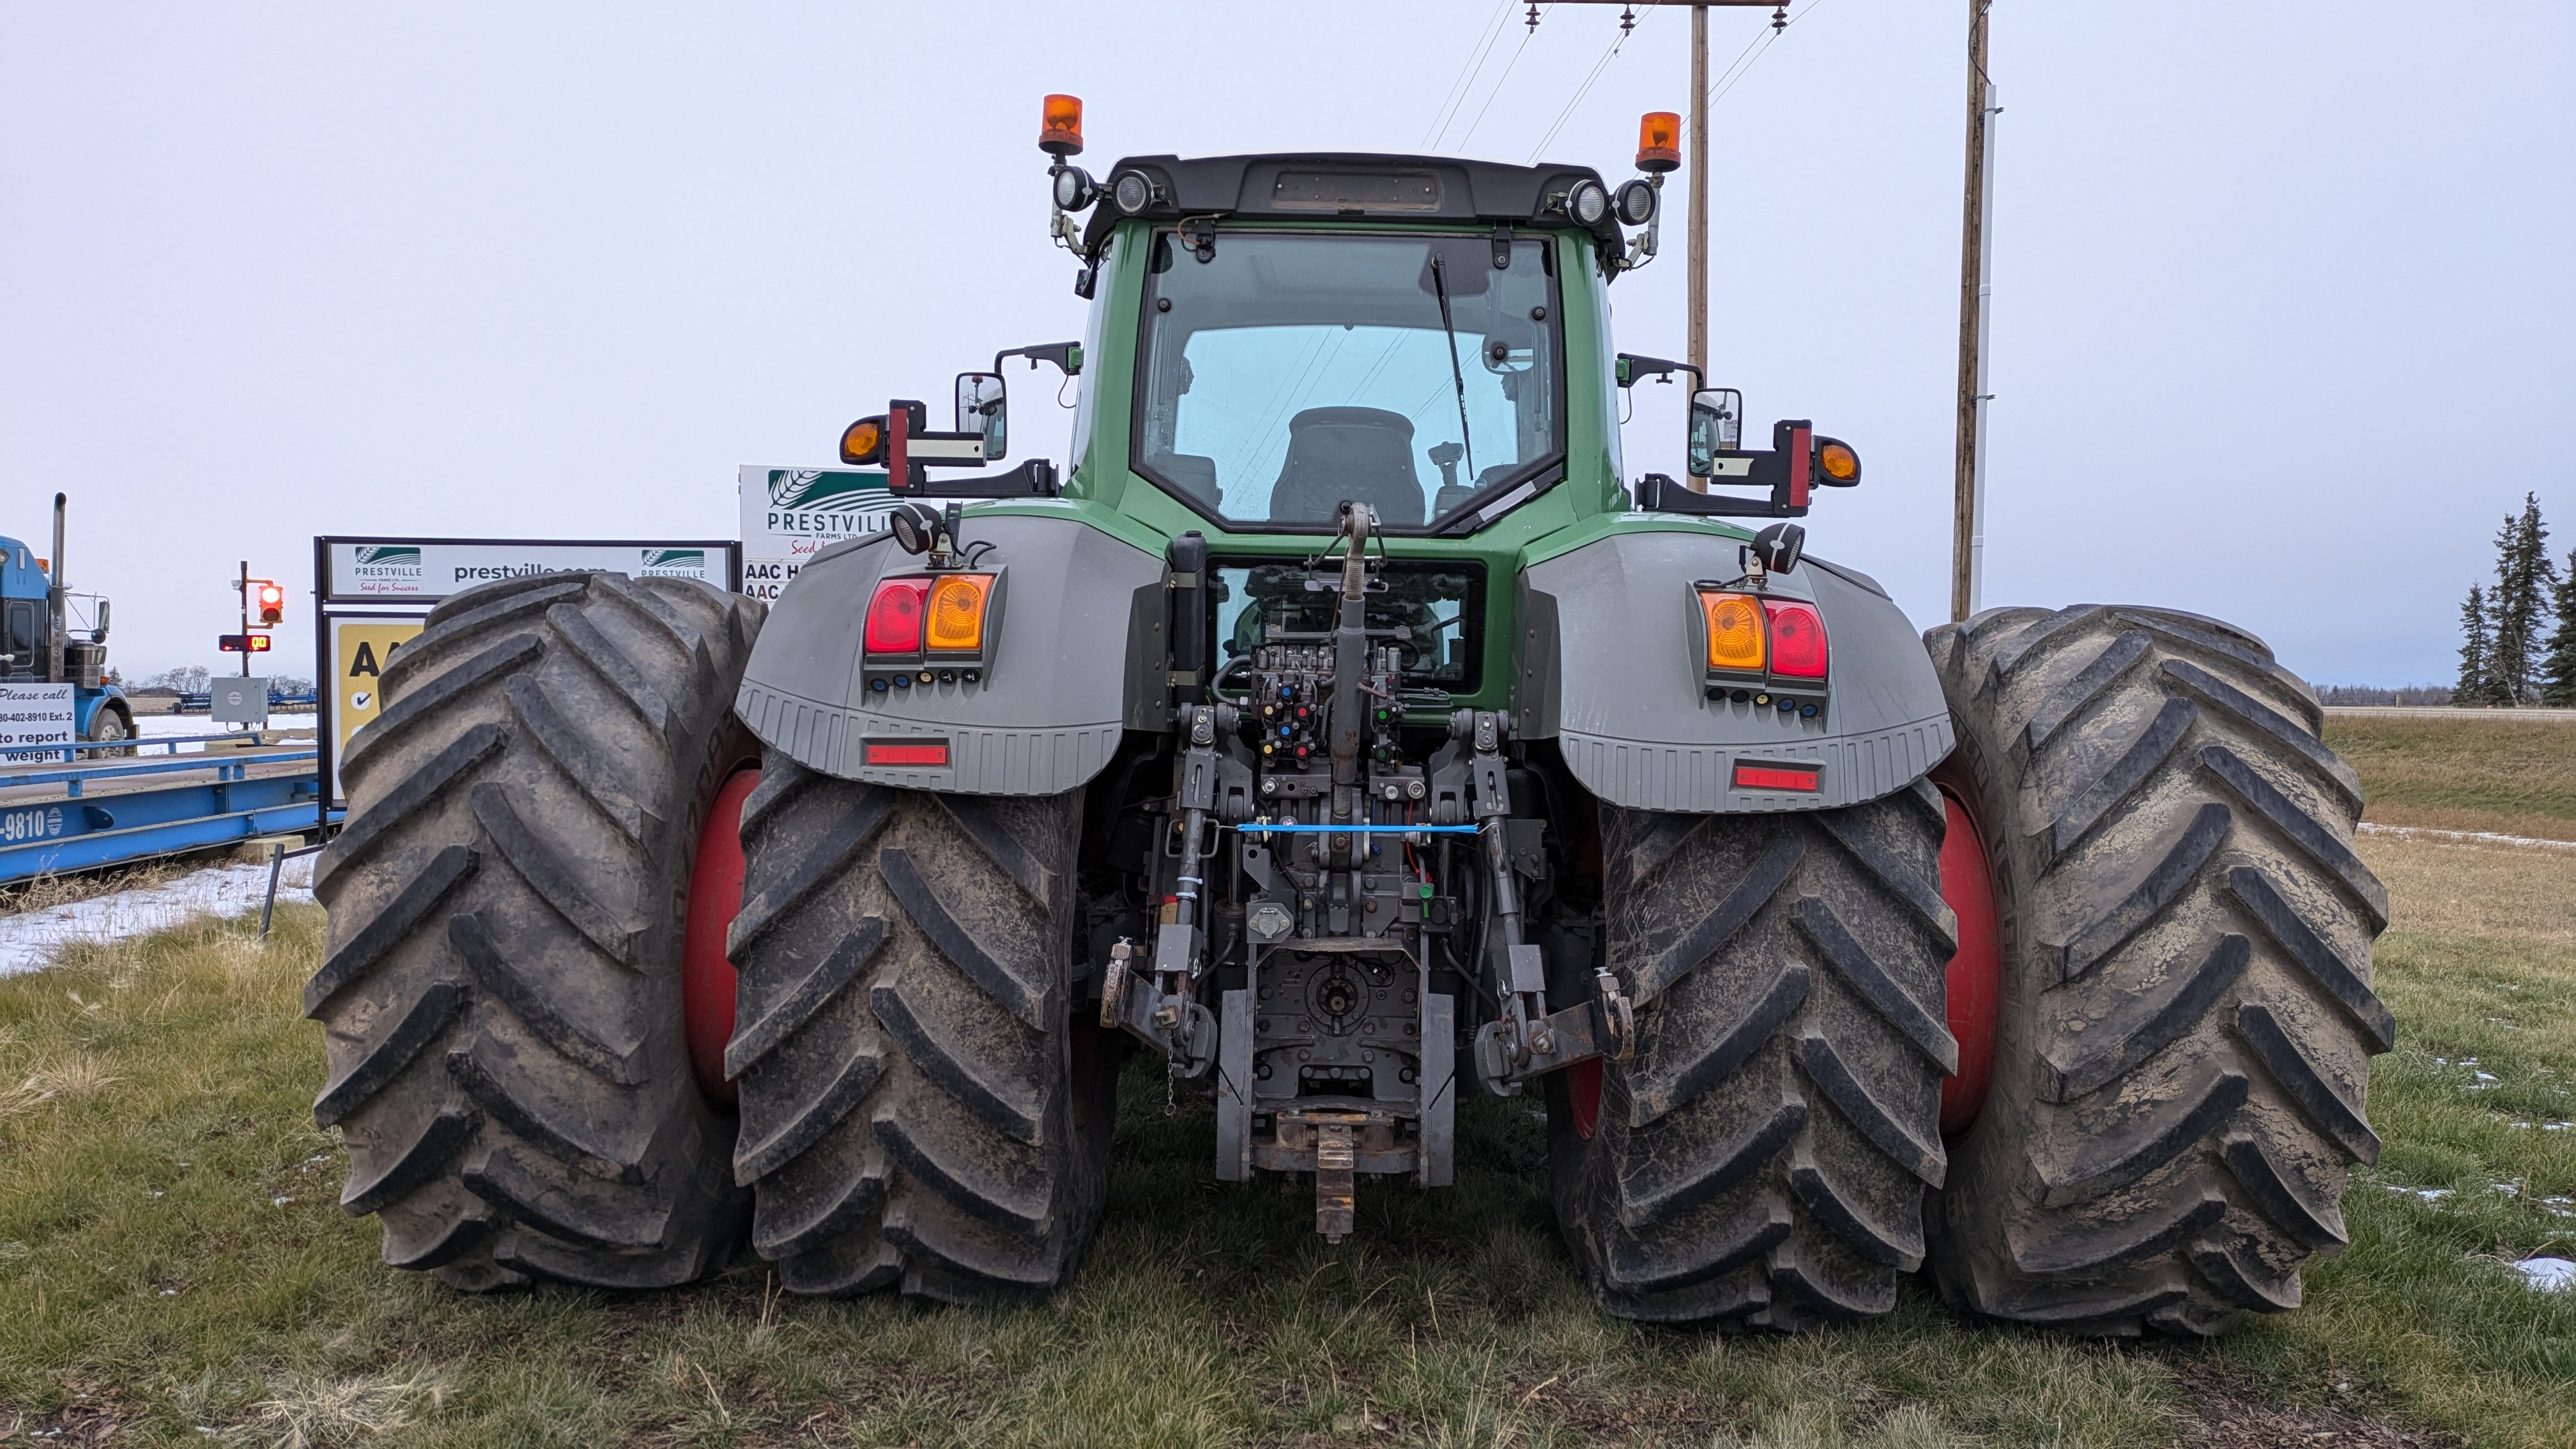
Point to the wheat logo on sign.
(387, 567)
(674, 563)
(826, 506)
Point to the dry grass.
(2514, 777)
(44, 891)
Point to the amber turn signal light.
(1659, 142)
(956, 615)
(1060, 126)
(1734, 632)
(864, 441)
(1836, 460)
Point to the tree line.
(2504, 659)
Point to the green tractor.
(1341, 731)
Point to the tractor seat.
(1364, 455)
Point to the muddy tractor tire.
(502, 990)
(923, 1106)
(2182, 940)
(1762, 1160)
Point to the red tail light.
(1798, 648)
(894, 616)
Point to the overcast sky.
(2285, 313)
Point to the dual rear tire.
(507, 998)
(2152, 1121)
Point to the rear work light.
(894, 616)
(956, 613)
(1734, 632)
(932, 753)
(1798, 649)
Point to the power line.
(1465, 81)
(1598, 67)
(1517, 52)
(1727, 82)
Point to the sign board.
(237, 699)
(360, 647)
(33, 714)
(377, 593)
(426, 570)
(791, 514)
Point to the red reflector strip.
(1775, 777)
(907, 752)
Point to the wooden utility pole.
(1699, 200)
(1967, 526)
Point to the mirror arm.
(1067, 356)
(1032, 479)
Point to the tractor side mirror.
(98, 635)
(1716, 426)
(983, 408)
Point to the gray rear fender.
(1079, 615)
(1613, 672)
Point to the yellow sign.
(360, 649)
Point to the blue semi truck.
(41, 641)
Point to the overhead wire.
(1585, 89)
(1517, 52)
(1736, 72)
(1465, 81)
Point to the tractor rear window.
(1288, 373)
(1440, 606)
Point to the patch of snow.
(2463, 837)
(28, 942)
(2547, 1275)
(2428, 1194)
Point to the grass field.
(2515, 777)
(173, 1264)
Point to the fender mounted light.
(894, 616)
(1734, 632)
(930, 753)
(1798, 649)
(956, 612)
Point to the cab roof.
(1309, 186)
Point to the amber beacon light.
(1060, 126)
(1659, 142)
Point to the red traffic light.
(272, 600)
(242, 643)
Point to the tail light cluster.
(931, 629)
(1765, 652)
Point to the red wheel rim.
(715, 898)
(1583, 1087)
(1976, 973)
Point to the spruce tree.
(2558, 669)
(2471, 691)
(2524, 573)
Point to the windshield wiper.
(1440, 288)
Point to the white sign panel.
(430, 570)
(34, 714)
(791, 514)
